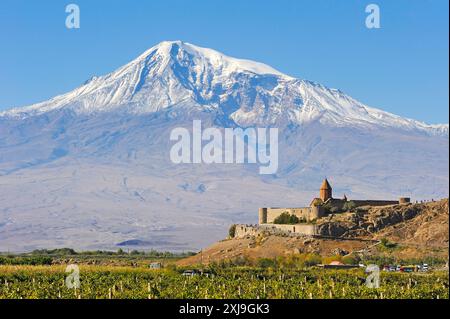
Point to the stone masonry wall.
(273, 229)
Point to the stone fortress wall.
(374, 202)
(243, 231)
(307, 215)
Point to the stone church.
(321, 206)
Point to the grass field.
(25, 281)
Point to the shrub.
(385, 243)
(328, 260)
(334, 210)
(266, 263)
(58, 251)
(349, 206)
(286, 219)
(331, 209)
(232, 231)
(26, 260)
(241, 261)
(312, 260)
(350, 260)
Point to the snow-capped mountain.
(90, 168)
(174, 74)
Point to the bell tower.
(326, 192)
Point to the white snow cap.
(178, 74)
(214, 58)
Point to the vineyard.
(109, 282)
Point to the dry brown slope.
(428, 228)
(271, 247)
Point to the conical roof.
(325, 184)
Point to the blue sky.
(401, 68)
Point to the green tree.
(286, 219)
(232, 231)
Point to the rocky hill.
(417, 230)
(420, 223)
(428, 228)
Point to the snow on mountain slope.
(165, 75)
(174, 74)
(90, 169)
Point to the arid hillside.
(423, 224)
(430, 227)
(416, 230)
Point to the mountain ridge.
(175, 73)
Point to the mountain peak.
(182, 75)
(205, 57)
(169, 73)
